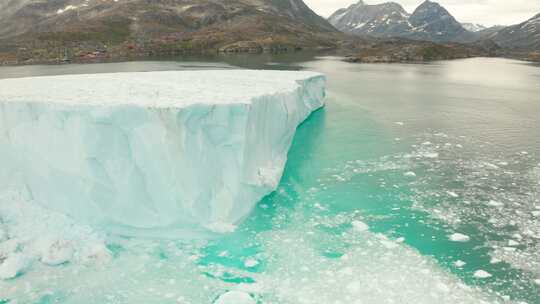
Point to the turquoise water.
(416, 152)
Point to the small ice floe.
(536, 213)
(14, 265)
(459, 146)
(235, 297)
(459, 263)
(359, 226)
(493, 203)
(400, 240)
(56, 252)
(399, 123)
(452, 194)
(250, 263)
(491, 166)
(96, 253)
(512, 243)
(494, 261)
(429, 154)
(409, 174)
(537, 281)
(482, 274)
(219, 227)
(524, 153)
(458, 237)
(427, 143)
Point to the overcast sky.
(487, 12)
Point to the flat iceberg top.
(153, 89)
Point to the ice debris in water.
(183, 149)
(42, 236)
(250, 263)
(493, 203)
(452, 194)
(235, 297)
(56, 252)
(14, 265)
(482, 274)
(410, 174)
(359, 226)
(459, 237)
(459, 263)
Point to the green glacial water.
(414, 153)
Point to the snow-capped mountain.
(380, 20)
(523, 36)
(143, 18)
(430, 21)
(474, 27)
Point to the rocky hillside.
(430, 21)
(44, 30)
(414, 51)
(524, 36)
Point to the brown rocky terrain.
(87, 30)
(409, 51)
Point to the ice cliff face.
(185, 150)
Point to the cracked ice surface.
(185, 150)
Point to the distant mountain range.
(523, 36)
(79, 30)
(149, 27)
(430, 22)
(474, 27)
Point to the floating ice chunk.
(56, 252)
(482, 274)
(250, 263)
(220, 227)
(186, 150)
(235, 297)
(494, 261)
(459, 263)
(452, 194)
(429, 154)
(493, 203)
(458, 237)
(536, 213)
(537, 281)
(513, 243)
(399, 123)
(359, 226)
(97, 253)
(14, 265)
(409, 174)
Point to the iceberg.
(185, 150)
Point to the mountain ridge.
(44, 29)
(430, 21)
